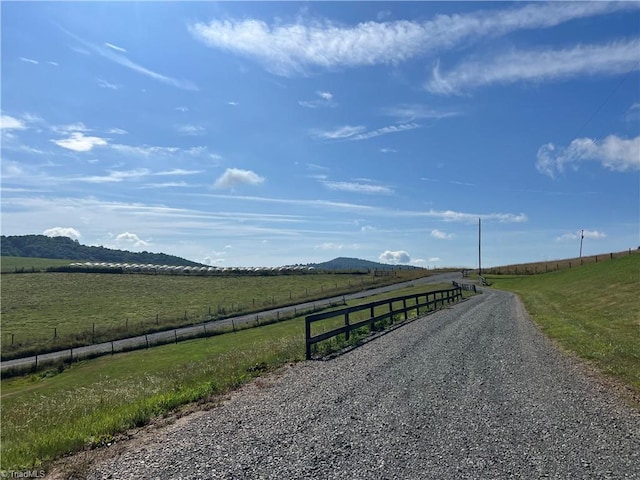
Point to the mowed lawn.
(58, 310)
(592, 310)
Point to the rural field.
(51, 311)
(88, 403)
(591, 311)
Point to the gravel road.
(474, 391)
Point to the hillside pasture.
(546, 266)
(29, 264)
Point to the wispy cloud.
(325, 100)
(385, 131)
(234, 176)
(193, 130)
(441, 235)
(345, 131)
(29, 60)
(359, 132)
(117, 131)
(538, 66)
(115, 47)
(453, 216)
(590, 234)
(356, 187)
(114, 176)
(287, 49)
(613, 153)
(122, 60)
(408, 112)
(104, 84)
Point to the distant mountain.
(41, 246)
(345, 263)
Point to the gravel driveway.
(471, 392)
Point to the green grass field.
(28, 264)
(48, 414)
(592, 310)
(49, 311)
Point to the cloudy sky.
(263, 134)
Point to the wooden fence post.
(346, 324)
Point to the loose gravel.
(471, 392)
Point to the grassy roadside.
(49, 414)
(592, 311)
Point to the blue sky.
(265, 134)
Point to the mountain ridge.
(64, 248)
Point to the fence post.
(146, 339)
(175, 334)
(346, 324)
(307, 336)
(404, 307)
(55, 332)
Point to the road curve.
(474, 391)
(193, 330)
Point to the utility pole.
(479, 247)
(581, 238)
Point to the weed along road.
(474, 391)
(141, 341)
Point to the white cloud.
(399, 256)
(117, 131)
(388, 150)
(29, 60)
(115, 47)
(104, 84)
(72, 127)
(453, 216)
(235, 176)
(11, 123)
(287, 49)
(357, 187)
(79, 143)
(115, 176)
(62, 232)
(538, 66)
(193, 130)
(590, 234)
(614, 153)
(325, 100)
(409, 112)
(434, 259)
(127, 238)
(345, 131)
(441, 235)
(55, 64)
(385, 130)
